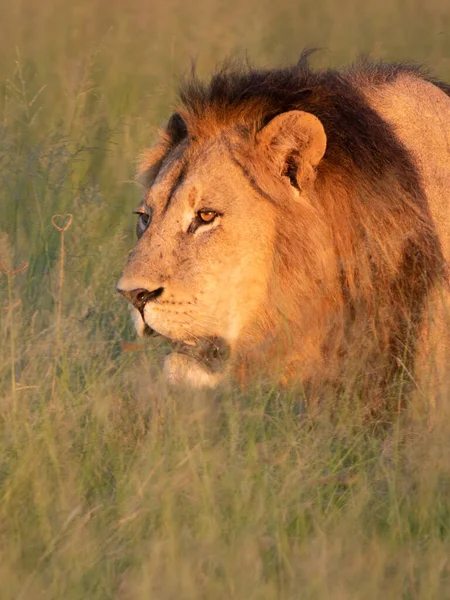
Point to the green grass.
(112, 486)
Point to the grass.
(111, 485)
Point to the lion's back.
(419, 113)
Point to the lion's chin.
(182, 369)
(199, 363)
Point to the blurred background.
(111, 486)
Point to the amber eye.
(206, 216)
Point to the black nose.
(140, 297)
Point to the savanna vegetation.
(112, 485)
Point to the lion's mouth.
(211, 352)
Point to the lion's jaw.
(198, 362)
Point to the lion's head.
(273, 202)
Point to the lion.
(296, 223)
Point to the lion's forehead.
(204, 169)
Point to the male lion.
(297, 224)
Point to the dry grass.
(118, 488)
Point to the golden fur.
(325, 253)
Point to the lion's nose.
(140, 296)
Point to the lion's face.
(200, 272)
(205, 241)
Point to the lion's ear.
(294, 142)
(176, 128)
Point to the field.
(111, 485)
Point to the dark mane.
(238, 94)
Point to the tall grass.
(111, 485)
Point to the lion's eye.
(206, 216)
(203, 217)
(144, 219)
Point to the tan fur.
(315, 262)
(420, 114)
